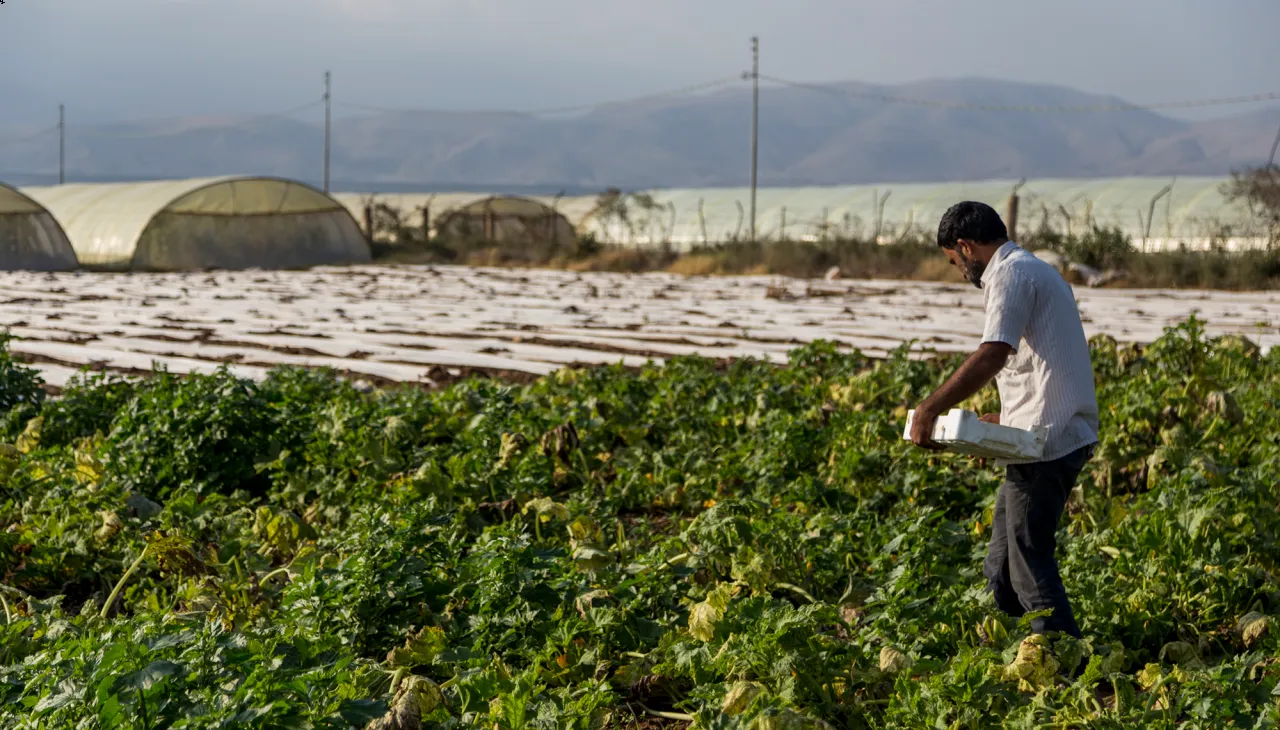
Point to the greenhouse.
(213, 223)
(1156, 213)
(411, 210)
(475, 216)
(30, 238)
(506, 220)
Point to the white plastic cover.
(1194, 212)
(566, 213)
(204, 223)
(30, 239)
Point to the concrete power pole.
(328, 104)
(755, 126)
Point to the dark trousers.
(1020, 568)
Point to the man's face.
(962, 258)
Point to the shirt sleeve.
(1009, 305)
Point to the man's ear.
(965, 246)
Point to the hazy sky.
(143, 58)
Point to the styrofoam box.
(964, 433)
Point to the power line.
(103, 130)
(286, 113)
(29, 137)
(1034, 108)
(682, 91)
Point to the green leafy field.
(730, 545)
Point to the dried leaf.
(1224, 405)
(512, 445)
(111, 526)
(1252, 627)
(893, 661)
(546, 509)
(740, 696)
(416, 698)
(1035, 666)
(29, 439)
(704, 616)
(1181, 653)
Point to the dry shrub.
(625, 260)
(937, 268)
(486, 257)
(778, 292)
(910, 259)
(698, 264)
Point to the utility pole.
(62, 143)
(328, 104)
(1271, 161)
(755, 126)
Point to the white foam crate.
(963, 432)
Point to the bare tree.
(1259, 189)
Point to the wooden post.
(368, 222)
(1011, 217)
(1151, 213)
(782, 230)
(488, 224)
(426, 222)
(702, 221)
(880, 213)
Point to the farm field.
(431, 324)
(722, 545)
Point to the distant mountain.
(807, 137)
(1234, 141)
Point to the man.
(1034, 345)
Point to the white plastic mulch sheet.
(404, 323)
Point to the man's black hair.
(971, 221)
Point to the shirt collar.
(1000, 255)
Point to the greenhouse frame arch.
(506, 219)
(30, 237)
(206, 223)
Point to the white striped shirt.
(1048, 380)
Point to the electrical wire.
(549, 111)
(105, 131)
(41, 178)
(29, 137)
(1032, 108)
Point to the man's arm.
(978, 370)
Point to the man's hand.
(991, 418)
(978, 370)
(922, 429)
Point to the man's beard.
(973, 269)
